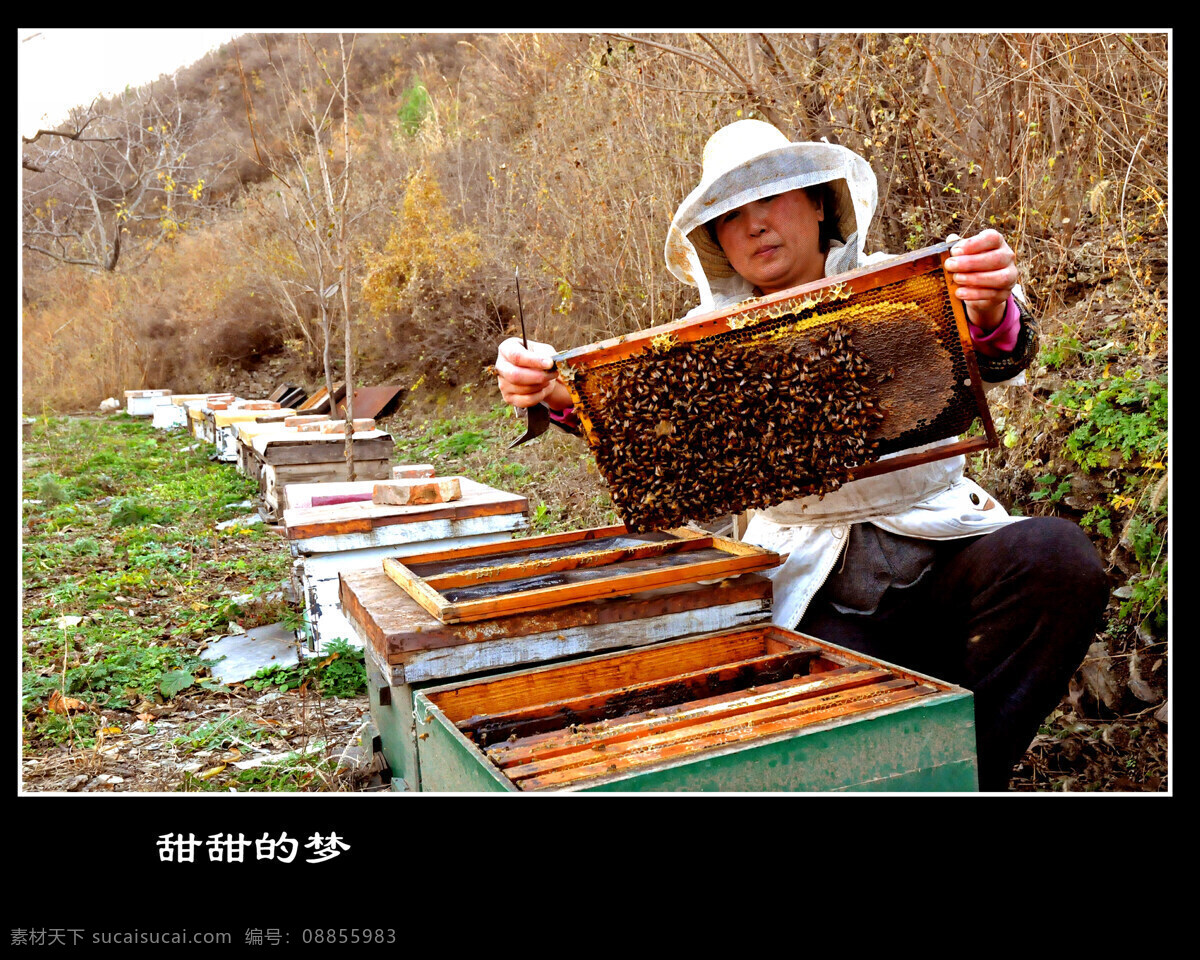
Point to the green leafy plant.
(1120, 421)
(341, 672)
(1124, 416)
(51, 491)
(414, 105)
(460, 444)
(1099, 518)
(1060, 351)
(1051, 488)
(126, 511)
(119, 678)
(224, 732)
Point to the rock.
(240, 522)
(1141, 683)
(1098, 676)
(406, 492)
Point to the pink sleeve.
(1003, 338)
(566, 418)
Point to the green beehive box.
(754, 708)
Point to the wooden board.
(539, 573)
(273, 479)
(229, 416)
(403, 535)
(410, 643)
(228, 423)
(247, 430)
(302, 494)
(308, 447)
(316, 579)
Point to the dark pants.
(1008, 615)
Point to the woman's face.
(775, 242)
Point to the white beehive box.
(141, 403)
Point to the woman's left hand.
(985, 270)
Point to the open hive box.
(521, 576)
(639, 590)
(783, 396)
(754, 708)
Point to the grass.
(124, 573)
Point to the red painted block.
(328, 499)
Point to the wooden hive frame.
(905, 321)
(539, 573)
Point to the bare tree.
(134, 171)
(309, 209)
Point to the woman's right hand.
(526, 375)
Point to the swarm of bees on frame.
(693, 432)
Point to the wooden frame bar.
(430, 591)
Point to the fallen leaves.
(65, 705)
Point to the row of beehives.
(328, 514)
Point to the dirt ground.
(294, 740)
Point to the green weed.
(118, 678)
(1059, 352)
(414, 104)
(339, 673)
(51, 491)
(1122, 421)
(227, 731)
(1051, 488)
(129, 510)
(132, 549)
(291, 773)
(1126, 416)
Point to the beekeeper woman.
(919, 567)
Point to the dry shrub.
(566, 155)
(588, 144)
(179, 323)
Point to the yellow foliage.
(422, 244)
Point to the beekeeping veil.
(749, 160)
